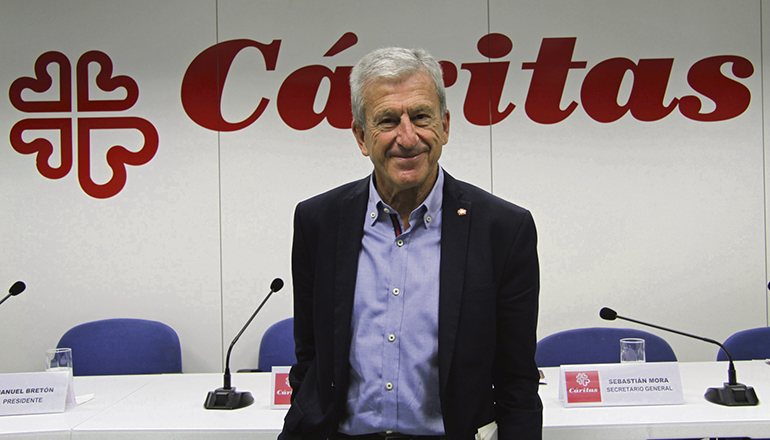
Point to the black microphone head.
(276, 285)
(608, 314)
(17, 288)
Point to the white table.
(696, 419)
(107, 391)
(166, 406)
(174, 404)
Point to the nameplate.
(281, 390)
(34, 393)
(653, 383)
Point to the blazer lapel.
(352, 211)
(456, 216)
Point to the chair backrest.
(123, 346)
(597, 345)
(747, 345)
(277, 346)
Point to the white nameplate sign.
(35, 393)
(653, 383)
(280, 389)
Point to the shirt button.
(391, 338)
(396, 291)
(373, 215)
(399, 243)
(428, 219)
(386, 210)
(389, 386)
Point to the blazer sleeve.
(515, 375)
(302, 280)
(322, 267)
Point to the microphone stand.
(226, 397)
(731, 394)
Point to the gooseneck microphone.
(732, 394)
(226, 397)
(16, 289)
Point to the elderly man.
(415, 294)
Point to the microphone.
(16, 289)
(226, 397)
(732, 394)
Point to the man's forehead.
(380, 94)
(397, 108)
(386, 81)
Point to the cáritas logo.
(60, 118)
(718, 94)
(583, 386)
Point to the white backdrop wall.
(640, 205)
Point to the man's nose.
(407, 137)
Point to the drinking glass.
(631, 350)
(58, 359)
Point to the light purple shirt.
(394, 383)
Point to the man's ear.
(360, 135)
(445, 123)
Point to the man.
(415, 295)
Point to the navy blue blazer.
(488, 306)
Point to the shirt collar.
(427, 211)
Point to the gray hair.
(393, 63)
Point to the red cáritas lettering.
(731, 97)
(601, 86)
(482, 102)
(205, 78)
(549, 75)
(204, 81)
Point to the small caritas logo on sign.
(583, 386)
(282, 392)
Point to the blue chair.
(123, 346)
(597, 345)
(277, 346)
(747, 345)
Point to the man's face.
(404, 134)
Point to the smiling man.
(415, 294)
(403, 134)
